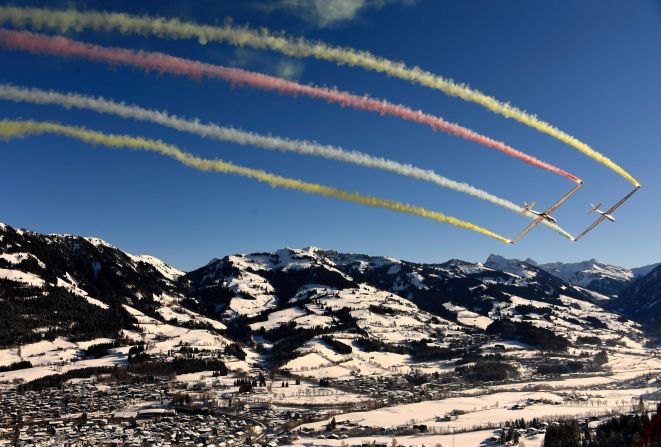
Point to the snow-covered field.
(470, 439)
(26, 375)
(493, 408)
(482, 413)
(305, 393)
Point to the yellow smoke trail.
(14, 129)
(64, 20)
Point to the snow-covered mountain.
(526, 269)
(635, 292)
(62, 294)
(642, 300)
(62, 284)
(594, 275)
(334, 314)
(639, 272)
(306, 310)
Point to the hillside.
(311, 311)
(597, 276)
(642, 300)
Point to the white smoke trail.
(208, 130)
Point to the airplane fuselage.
(545, 216)
(595, 208)
(606, 215)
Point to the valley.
(314, 347)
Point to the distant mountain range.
(290, 303)
(635, 292)
(593, 274)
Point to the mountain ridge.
(592, 274)
(293, 307)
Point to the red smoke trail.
(36, 43)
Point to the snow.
(512, 266)
(384, 359)
(163, 337)
(417, 280)
(470, 269)
(71, 285)
(96, 341)
(317, 360)
(92, 240)
(9, 356)
(251, 307)
(290, 259)
(493, 407)
(279, 317)
(255, 294)
(307, 361)
(184, 316)
(526, 302)
(29, 374)
(310, 321)
(46, 357)
(597, 296)
(22, 277)
(293, 259)
(467, 317)
(583, 273)
(164, 269)
(17, 258)
(482, 411)
(470, 439)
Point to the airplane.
(603, 213)
(544, 215)
(607, 213)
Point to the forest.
(627, 430)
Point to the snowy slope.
(411, 315)
(594, 275)
(315, 312)
(642, 300)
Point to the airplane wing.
(554, 206)
(610, 211)
(528, 228)
(588, 229)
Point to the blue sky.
(592, 68)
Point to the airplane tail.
(527, 207)
(594, 207)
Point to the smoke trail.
(101, 105)
(196, 70)
(14, 129)
(64, 20)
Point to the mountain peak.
(592, 274)
(513, 266)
